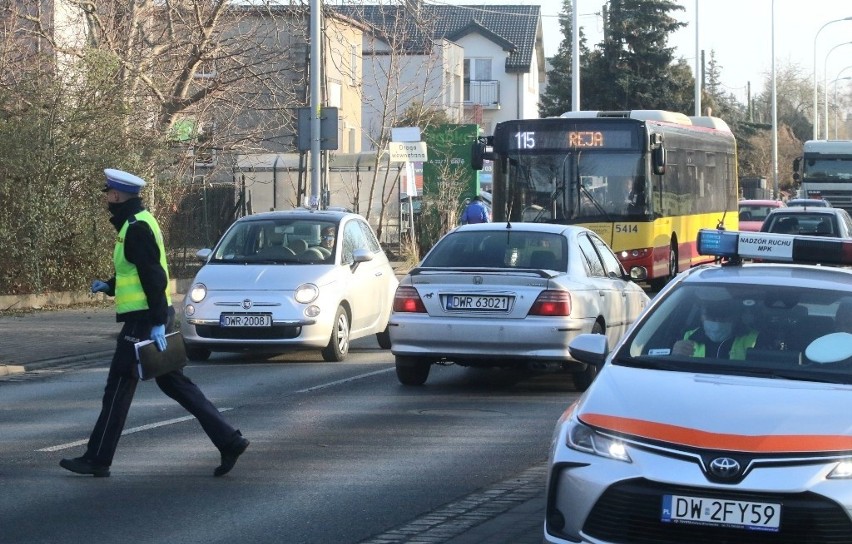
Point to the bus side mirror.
(477, 155)
(658, 158)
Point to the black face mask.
(114, 207)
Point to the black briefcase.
(153, 362)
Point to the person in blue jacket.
(475, 212)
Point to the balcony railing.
(485, 93)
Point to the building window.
(475, 69)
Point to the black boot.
(230, 455)
(81, 465)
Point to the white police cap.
(122, 181)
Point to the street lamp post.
(816, 106)
(825, 84)
(835, 100)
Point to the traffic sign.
(407, 151)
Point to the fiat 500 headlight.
(198, 292)
(306, 293)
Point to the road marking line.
(345, 380)
(187, 418)
(128, 431)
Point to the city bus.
(646, 181)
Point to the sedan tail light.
(407, 299)
(553, 303)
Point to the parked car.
(510, 295)
(713, 445)
(290, 279)
(811, 202)
(753, 212)
(833, 222)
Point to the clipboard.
(152, 362)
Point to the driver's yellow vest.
(738, 347)
(129, 295)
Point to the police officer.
(143, 304)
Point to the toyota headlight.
(843, 470)
(583, 438)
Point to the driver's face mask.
(717, 331)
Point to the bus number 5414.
(625, 229)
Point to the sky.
(739, 32)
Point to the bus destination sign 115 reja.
(598, 138)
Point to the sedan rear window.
(494, 249)
(811, 224)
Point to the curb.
(60, 361)
(8, 370)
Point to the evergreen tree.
(557, 96)
(634, 68)
(715, 99)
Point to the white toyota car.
(724, 414)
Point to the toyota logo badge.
(724, 467)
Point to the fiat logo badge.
(247, 304)
(477, 280)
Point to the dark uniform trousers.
(121, 386)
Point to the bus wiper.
(582, 189)
(553, 196)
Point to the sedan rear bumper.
(537, 339)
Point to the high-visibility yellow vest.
(738, 347)
(129, 295)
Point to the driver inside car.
(721, 334)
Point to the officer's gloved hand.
(99, 286)
(158, 335)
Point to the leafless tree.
(407, 76)
(218, 75)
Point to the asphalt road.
(340, 453)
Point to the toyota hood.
(712, 411)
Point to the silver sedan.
(510, 295)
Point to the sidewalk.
(43, 338)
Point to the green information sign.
(449, 156)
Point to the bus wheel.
(659, 283)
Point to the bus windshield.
(586, 186)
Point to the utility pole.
(316, 107)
